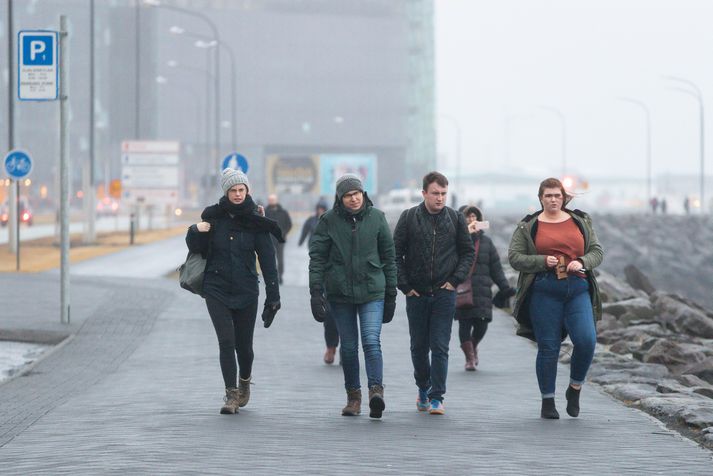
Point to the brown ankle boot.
(231, 402)
(376, 401)
(329, 355)
(244, 389)
(353, 407)
(469, 352)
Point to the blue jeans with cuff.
(556, 305)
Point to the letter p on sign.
(37, 50)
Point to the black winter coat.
(488, 269)
(230, 273)
(431, 249)
(281, 216)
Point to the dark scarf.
(245, 217)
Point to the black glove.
(269, 311)
(389, 305)
(318, 304)
(500, 300)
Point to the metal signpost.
(18, 166)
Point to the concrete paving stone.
(151, 407)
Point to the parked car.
(25, 213)
(107, 207)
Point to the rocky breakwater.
(655, 353)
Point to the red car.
(25, 214)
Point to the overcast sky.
(506, 58)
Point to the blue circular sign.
(18, 164)
(235, 161)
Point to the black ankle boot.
(572, 395)
(548, 409)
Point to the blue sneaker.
(437, 408)
(423, 403)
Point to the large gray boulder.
(637, 279)
(674, 354)
(682, 316)
(702, 370)
(613, 289)
(638, 308)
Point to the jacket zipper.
(353, 251)
(433, 251)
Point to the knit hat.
(348, 183)
(231, 178)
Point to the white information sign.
(150, 172)
(37, 65)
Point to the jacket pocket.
(376, 281)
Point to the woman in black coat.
(229, 236)
(473, 323)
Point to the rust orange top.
(560, 239)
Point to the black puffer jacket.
(488, 269)
(431, 249)
(230, 273)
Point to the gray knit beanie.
(231, 178)
(348, 183)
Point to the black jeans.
(235, 329)
(331, 335)
(478, 326)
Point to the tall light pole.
(204, 41)
(457, 128)
(695, 91)
(209, 165)
(647, 115)
(215, 37)
(563, 124)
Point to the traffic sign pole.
(17, 224)
(64, 171)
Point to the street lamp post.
(215, 37)
(647, 114)
(695, 91)
(456, 125)
(563, 145)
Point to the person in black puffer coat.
(473, 323)
(229, 236)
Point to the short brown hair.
(437, 177)
(554, 183)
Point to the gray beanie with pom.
(233, 177)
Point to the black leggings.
(235, 329)
(479, 327)
(331, 335)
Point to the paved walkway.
(138, 389)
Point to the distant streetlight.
(215, 36)
(206, 42)
(563, 124)
(647, 115)
(695, 91)
(456, 125)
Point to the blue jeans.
(557, 305)
(370, 316)
(430, 319)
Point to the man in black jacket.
(275, 211)
(433, 255)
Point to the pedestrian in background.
(229, 236)
(331, 336)
(434, 253)
(275, 212)
(473, 322)
(352, 263)
(556, 251)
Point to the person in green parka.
(556, 250)
(352, 262)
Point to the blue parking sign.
(37, 50)
(18, 164)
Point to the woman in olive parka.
(352, 261)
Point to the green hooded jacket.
(523, 257)
(352, 255)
